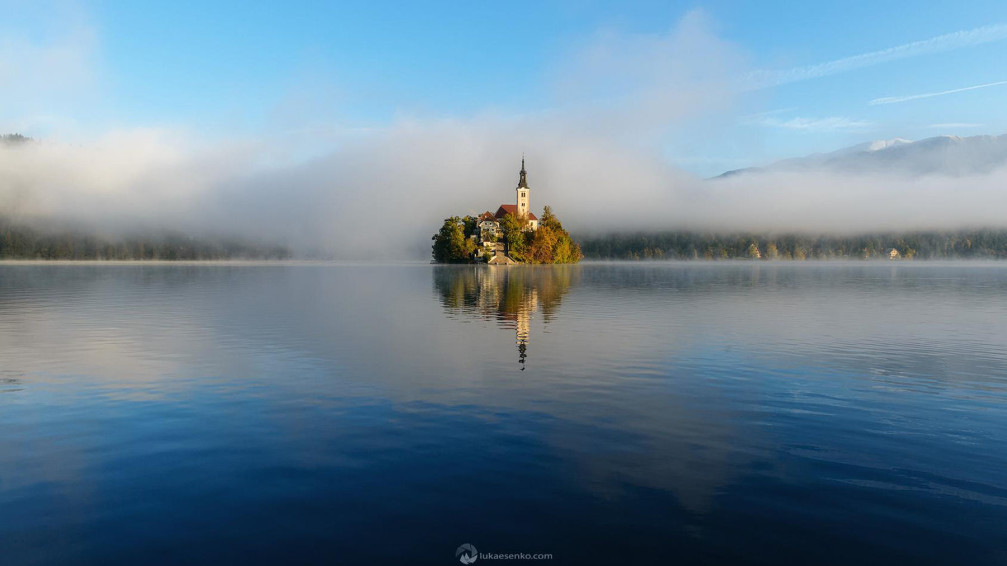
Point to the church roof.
(506, 209)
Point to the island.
(512, 235)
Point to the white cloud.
(938, 44)
(776, 112)
(955, 126)
(822, 201)
(827, 124)
(896, 99)
(633, 84)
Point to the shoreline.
(203, 262)
(404, 262)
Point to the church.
(489, 222)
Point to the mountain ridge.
(941, 155)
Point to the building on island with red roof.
(488, 223)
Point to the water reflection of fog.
(620, 427)
(511, 296)
(654, 375)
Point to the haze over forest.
(608, 145)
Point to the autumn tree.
(551, 243)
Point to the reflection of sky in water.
(725, 411)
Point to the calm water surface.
(744, 413)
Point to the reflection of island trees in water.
(510, 296)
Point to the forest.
(975, 244)
(24, 242)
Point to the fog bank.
(598, 156)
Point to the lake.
(610, 413)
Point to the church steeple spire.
(523, 193)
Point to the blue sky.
(803, 75)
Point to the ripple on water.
(738, 412)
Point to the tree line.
(23, 242)
(14, 139)
(984, 244)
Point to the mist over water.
(826, 389)
(605, 149)
(734, 412)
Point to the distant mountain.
(942, 155)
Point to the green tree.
(515, 237)
(450, 244)
(470, 224)
(549, 219)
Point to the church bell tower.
(523, 193)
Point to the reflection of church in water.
(510, 296)
(522, 323)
